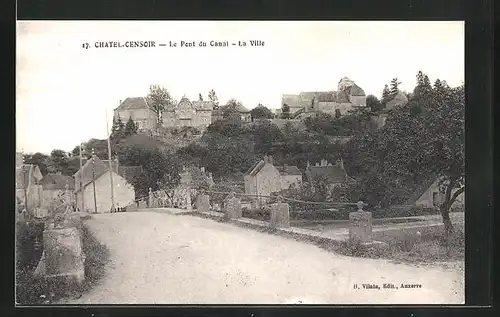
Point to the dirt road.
(165, 259)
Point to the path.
(158, 258)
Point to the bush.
(396, 211)
(263, 213)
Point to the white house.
(87, 176)
(264, 178)
(432, 197)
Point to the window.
(435, 198)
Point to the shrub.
(263, 213)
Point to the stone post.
(150, 198)
(63, 254)
(280, 215)
(360, 227)
(232, 208)
(202, 203)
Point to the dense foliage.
(261, 112)
(420, 141)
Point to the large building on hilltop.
(137, 109)
(347, 96)
(185, 113)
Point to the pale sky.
(65, 91)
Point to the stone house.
(28, 188)
(123, 191)
(334, 175)
(291, 177)
(262, 179)
(57, 186)
(185, 113)
(347, 97)
(137, 109)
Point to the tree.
(213, 98)
(231, 109)
(100, 148)
(265, 134)
(285, 111)
(117, 131)
(158, 100)
(200, 97)
(130, 127)
(59, 162)
(160, 170)
(415, 147)
(386, 95)
(39, 159)
(373, 103)
(423, 86)
(261, 112)
(394, 88)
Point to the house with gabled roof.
(136, 108)
(291, 177)
(96, 172)
(262, 179)
(429, 194)
(333, 175)
(347, 97)
(28, 188)
(184, 113)
(265, 178)
(188, 113)
(57, 186)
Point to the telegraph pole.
(110, 168)
(93, 180)
(81, 178)
(24, 184)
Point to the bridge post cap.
(360, 205)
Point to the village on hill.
(258, 152)
(327, 154)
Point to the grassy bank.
(33, 290)
(431, 247)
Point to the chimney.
(340, 163)
(121, 101)
(270, 159)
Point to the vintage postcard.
(250, 162)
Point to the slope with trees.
(421, 140)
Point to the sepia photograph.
(240, 162)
